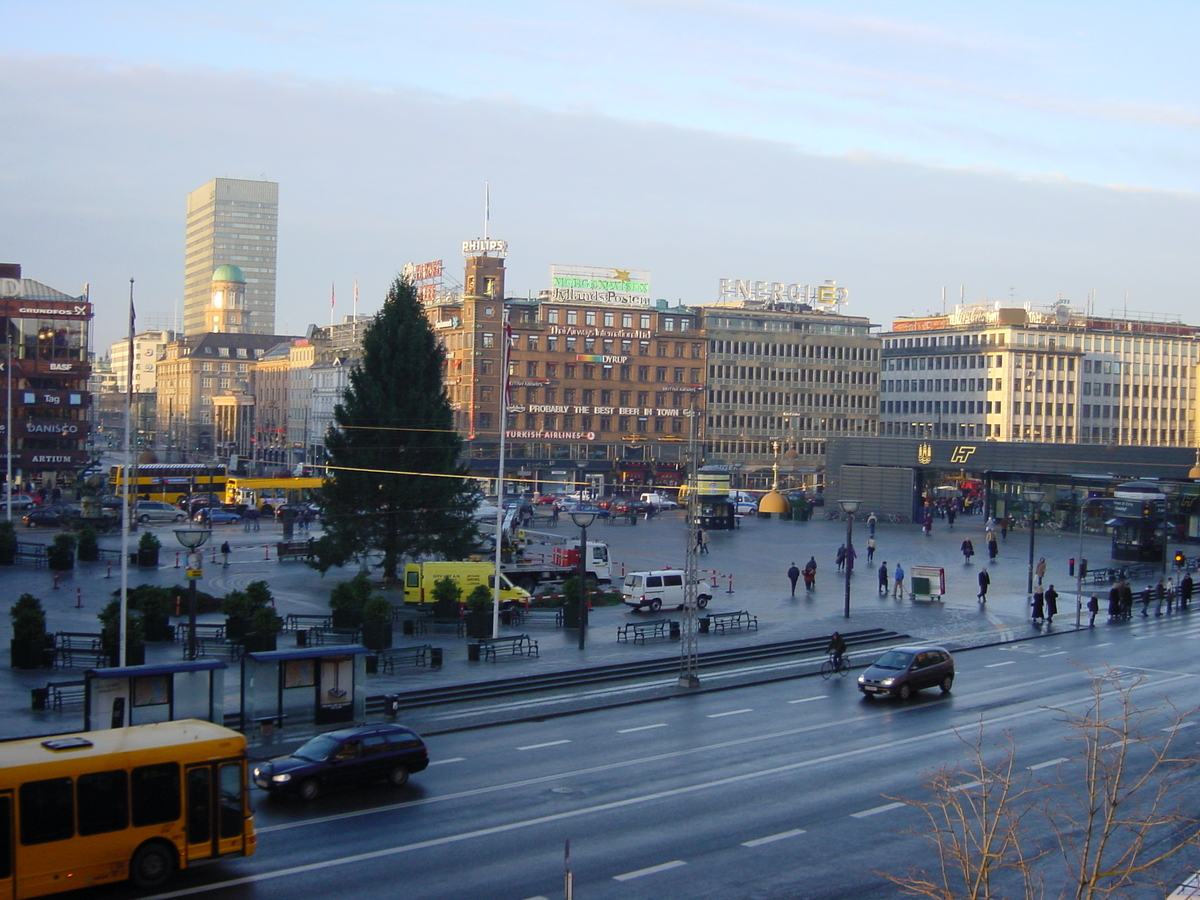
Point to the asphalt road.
(783, 790)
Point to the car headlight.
(281, 779)
(888, 682)
(862, 679)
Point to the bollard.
(177, 559)
(730, 591)
(79, 598)
(266, 551)
(214, 550)
(108, 571)
(56, 581)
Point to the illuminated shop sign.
(827, 294)
(591, 284)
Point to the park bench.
(212, 631)
(79, 650)
(728, 621)
(640, 632)
(459, 626)
(305, 621)
(215, 648)
(31, 553)
(550, 614)
(294, 550)
(64, 693)
(405, 656)
(510, 645)
(330, 635)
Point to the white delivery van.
(659, 501)
(663, 587)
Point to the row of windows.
(1106, 435)
(942, 384)
(953, 407)
(786, 400)
(907, 363)
(1150, 391)
(1105, 411)
(557, 315)
(587, 397)
(570, 422)
(944, 340)
(929, 430)
(1037, 384)
(795, 376)
(795, 351)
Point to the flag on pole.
(508, 347)
(332, 295)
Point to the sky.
(915, 152)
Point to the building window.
(608, 319)
(532, 341)
(589, 317)
(552, 315)
(626, 320)
(531, 369)
(551, 370)
(572, 317)
(489, 340)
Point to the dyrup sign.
(589, 284)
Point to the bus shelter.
(141, 695)
(307, 685)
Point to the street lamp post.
(849, 507)
(1034, 498)
(582, 519)
(1167, 490)
(192, 539)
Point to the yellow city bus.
(169, 481)
(253, 491)
(138, 803)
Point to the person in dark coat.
(810, 573)
(968, 550)
(793, 576)
(1114, 602)
(985, 581)
(1185, 592)
(1093, 606)
(883, 578)
(993, 547)
(1160, 595)
(1039, 606)
(840, 559)
(1051, 604)
(1127, 599)
(1147, 596)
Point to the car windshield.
(894, 659)
(319, 749)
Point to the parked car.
(216, 516)
(350, 756)
(658, 501)
(23, 501)
(157, 511)
(903, 671)
(745, 508)
(193, 503)
(54, 516)
(664, 587)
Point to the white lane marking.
(1105, 644)
(547, 744)
(1047, 764)
(1189, 890)
(772, 838)
(651, 870)
(1171, 729)
(538, 897)
(965, 787)
(442, 762)
(1011, 662)
(810, 699)
(732, 712)
(641, 728)
(1056, 653)
(1113, 745)
(887, 807)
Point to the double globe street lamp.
(583, 518)
(849, 507)
(192, 539)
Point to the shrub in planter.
(29, 638)
(156, 605)
(347, 600)
(238, 607)
(570, 590)
(8, 543)
(110, 634)
(377, 623)
(88, 549)
(447, 599)
(60, 555)
(479, 619)
(147, 552)
(261, 630)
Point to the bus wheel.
(152, 865)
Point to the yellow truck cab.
(419, 579)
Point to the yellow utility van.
(419, 579)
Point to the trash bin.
(302, 637)
(435, 657)
(675, 630)
(38, 698)
(372, 664)
(408, 627)
(391, 705)
(704, 624)
(472, 652)
(506, 617)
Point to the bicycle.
(829, 668)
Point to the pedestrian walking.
(1093, 607)
(851, 556)
(871, 523)
(1170, 595)
(1051, 604)
(1039, 606)
(985, 581)
(1040, 570)
(840, 559)
(1126, 590)
(928, 526)
(810, 573)
(1160, 594)
(225, 551)
(1114, 602)
(702, 541)
(898, 583)
(1147, 596)
(883, 579)
(245, 520)
(871, 550)
(793, 576)
(968, 550)
(993, 548)
(950, 516)
(1004, 528)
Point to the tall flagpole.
(500, 471)
(127, 471)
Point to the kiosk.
(140, 695)
(307, 685)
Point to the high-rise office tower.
(231, 222)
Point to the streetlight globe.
(193, 538)
(583, 518)
(850, 506)
(1035, 496)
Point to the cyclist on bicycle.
(837, 646)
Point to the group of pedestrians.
(808, 573)
(1165, 595)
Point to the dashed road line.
(1011, 662)
(442, 762)
(651, 870)
(1055, 653)
(887, 807)
(1047, 764)
(540, 746)
(772, 838)
(810, 699)
(732, 712)
(641, 728)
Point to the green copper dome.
(229, 273)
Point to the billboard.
(591, 284)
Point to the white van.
(663, 587)
(659, 501)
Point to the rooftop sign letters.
(481, 246)
(828, 294)
(589, 284)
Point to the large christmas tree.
(396, 486)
